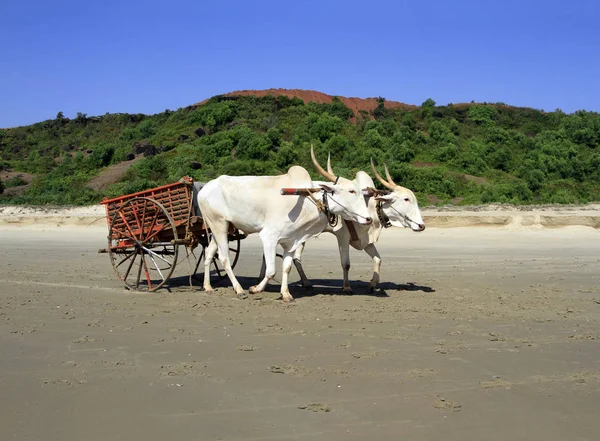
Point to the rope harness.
(405, 217)
(383, 218)
(323, 206)
(332, 219)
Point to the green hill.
(462, 154)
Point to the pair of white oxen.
(255, 204)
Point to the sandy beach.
(474, 333)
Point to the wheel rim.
(139, 244)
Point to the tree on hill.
(475, 152)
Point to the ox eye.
(406, 200)
(352, 192)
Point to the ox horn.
(330, 176)
(329, 169)
(387, 175)
(385, 183)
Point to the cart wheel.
(215, 267)
(141, 256)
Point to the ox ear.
(329, 188)
(386, 198)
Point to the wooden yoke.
(370, 191)
(299, 191)
(306, 192)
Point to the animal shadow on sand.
(320, 286)
(359, 288)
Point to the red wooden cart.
(145, 230)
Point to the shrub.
(402, 152)
(324, 126)
(482, 114)
(524, 154)
(15, 181)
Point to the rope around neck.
(406, 218)
(383, 218)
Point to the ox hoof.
(307, 286)
(208, 290)
(372, 288)
(347, 290)
(287, 299)
(253, 290)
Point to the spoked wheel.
(215, 267)
(139, 244)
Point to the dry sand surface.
(475, 334)
(538, 216)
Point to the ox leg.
(372, 251)
(222, 240)
(269, 256)
(344, 247)
(298, 264)
(263, 269)
(209, 254)
(285, 272)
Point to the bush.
(153, 169)
(337, 145)
(402, 152)
(101, 156)
(147, 128)
(372, 140)
(286, 156)
(563, 196)
(482, 114)
(324, 126)
(15, 181)
(130, 186)
(446, 153)
(535, 178)
(428, 103)
(513, 192)
(249, 168)
(471, 162)
(213, 115)
(522, 153)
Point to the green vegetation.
(467, 154)
(14, 182)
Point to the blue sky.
(147, 56)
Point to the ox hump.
(298, 173)
(363, 180)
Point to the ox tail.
(205, 221)
(198, 210)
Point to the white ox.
(398, 208)
(254, 204)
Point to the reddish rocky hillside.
(355, 104)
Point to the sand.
(475, 333)
(538, 216)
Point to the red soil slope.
(355, 104)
